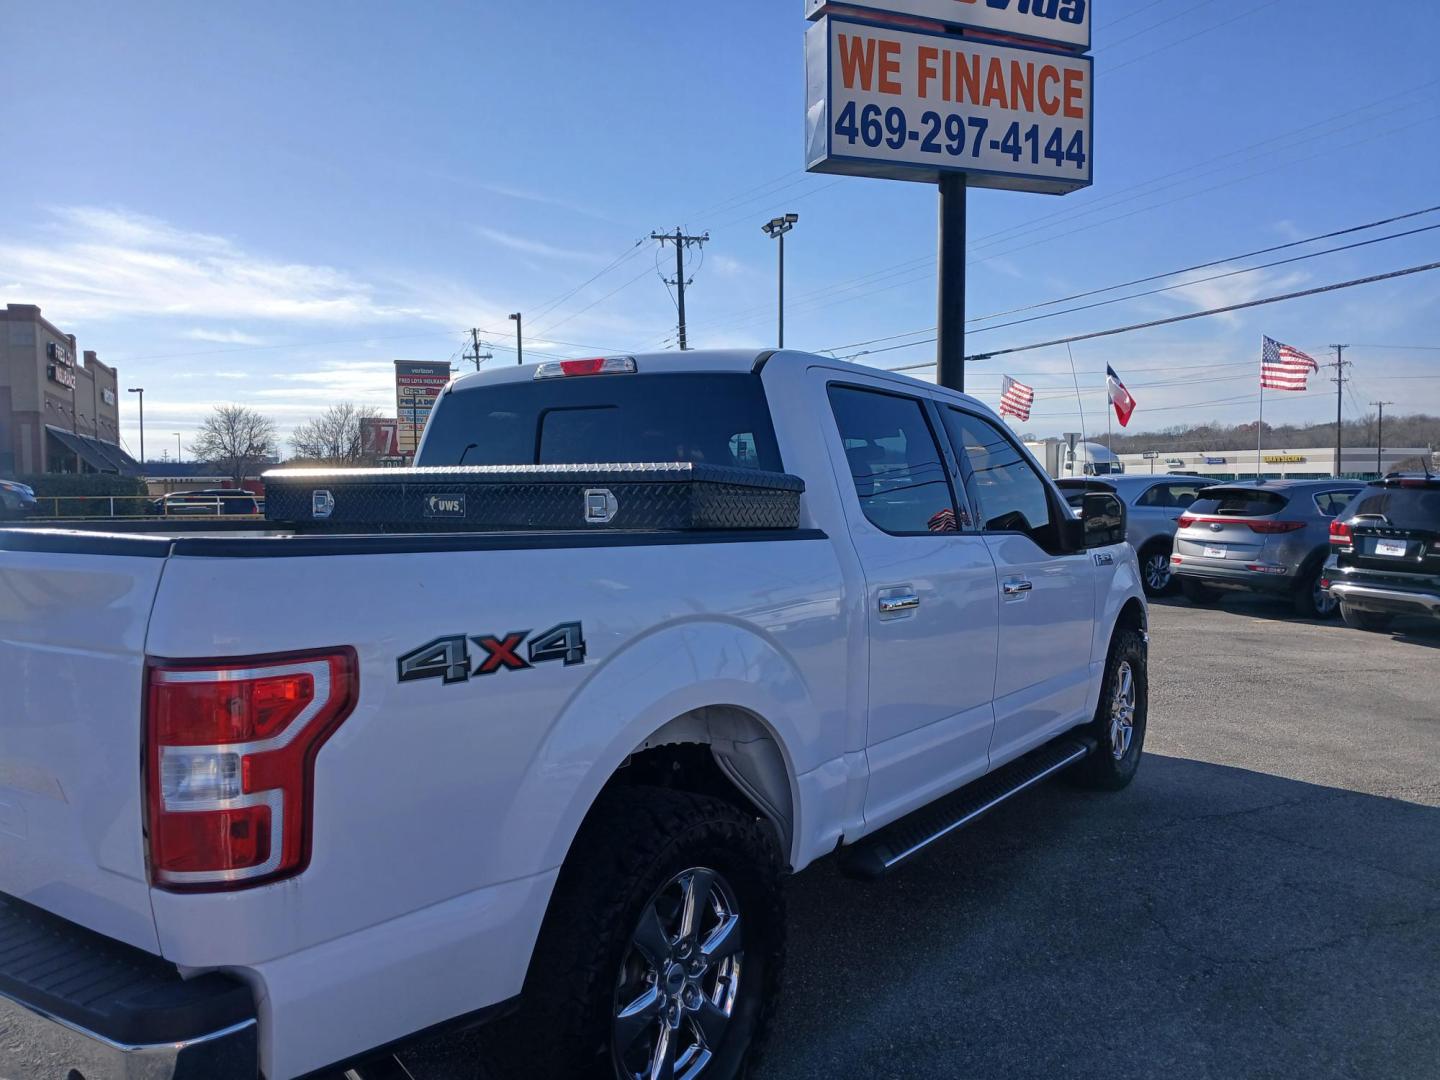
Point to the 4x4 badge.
(448, 658)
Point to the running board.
(876, 855)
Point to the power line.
(628, 253)
(587, 307)
(912, 270)
(1191, 37)
(1173, 273)
(1318, 290)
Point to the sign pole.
(950, 339)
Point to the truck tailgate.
(72, 651)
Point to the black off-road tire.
(1373, 621)
(1103, 770)
(634, 841)
(1197, 592)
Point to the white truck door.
(1047, 599)
(931, 600)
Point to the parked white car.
(273, 801)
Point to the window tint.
(1330, 503)
(1171, 496)
(1403, 508)
(894, 460)
(1238, 502)
(717, 419)
(1012, 497)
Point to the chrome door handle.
(1017, 588)
(890, 605)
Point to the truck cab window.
(895, 462)
(1012, 498)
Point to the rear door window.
(1330, 503)
(895, 463)
(1402, 508)
(710, 418)
(1238, 502)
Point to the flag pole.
(1079, 403)
(1260, 423)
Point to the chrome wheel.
(677, 987)
(1157, 572)
(1122, 711)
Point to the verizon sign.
(1063, 22)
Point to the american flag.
(1016, 399)
(1284, 367)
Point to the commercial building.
(1356, 463)
(56, 414)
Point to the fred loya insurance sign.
(912, 104)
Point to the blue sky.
(270, 203)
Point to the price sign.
(911, 105)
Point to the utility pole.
(1340, 364)
(141, 391)
(519, 343)
(950, 277)
(776, 228)
(475, 353)
(1380, 437)
(681, 242)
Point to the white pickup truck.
(272, 803)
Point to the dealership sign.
(417, 385)
(911, 105)
(1061, 22)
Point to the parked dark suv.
(1387, 552)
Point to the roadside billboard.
(417, 384)
(379, 437)
(1061, 22)
(914, 104)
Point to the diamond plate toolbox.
(494, 498)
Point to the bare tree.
(237, 439)
(334, 437)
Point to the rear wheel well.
(723, 752)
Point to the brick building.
(58, 413)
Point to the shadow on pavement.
(1412, 631)
(1207, 922)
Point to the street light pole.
(776, 228)
(177, 446)
(141, 391)
(519, 344)
(1380, 437)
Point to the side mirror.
(1103, 517)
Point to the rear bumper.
(74, 1003)
(1234, 576)
(1386, 601)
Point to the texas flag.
(1119, 396)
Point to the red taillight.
(230, 760)
(1269, 528)
(1186, 520)
(1341, 535)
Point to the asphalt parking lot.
(1264, 900)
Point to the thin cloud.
(533, 247)
(97, 263)
(224, 337)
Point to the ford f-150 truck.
(274, 801)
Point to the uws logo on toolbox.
(1064, 22)
(912, 104)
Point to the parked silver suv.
(1154, 505)
(1268, 537)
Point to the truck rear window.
(1238, 502)
(1403, 508)
(717, 419)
